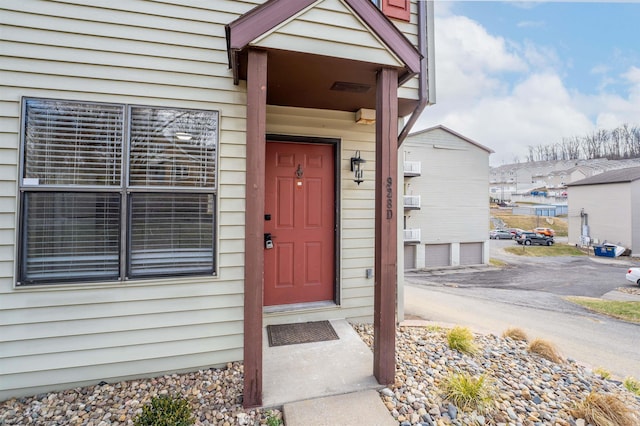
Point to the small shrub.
(515, 334)
(468, 393)
(602, 373)
(165, 410)
(545, 349)
(604, 410)
(461, 339)
(632, 385)
(273, 419)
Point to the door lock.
(268, 242)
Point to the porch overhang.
(308, 80)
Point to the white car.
(633, 275)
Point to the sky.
(510, 75)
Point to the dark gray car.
(532, 238)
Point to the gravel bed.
(630, 290)
(528, 390)
(214, 394)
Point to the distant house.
(177, 174)
(515, 181)
(606, 208)
(446, 208)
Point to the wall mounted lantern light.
(357, 168)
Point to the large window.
(112, 192)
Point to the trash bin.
(605, 251)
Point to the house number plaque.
(389, 197)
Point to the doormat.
(307, 332)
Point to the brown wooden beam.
(386, 233)
(254, 226)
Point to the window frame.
(124, 191)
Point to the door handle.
(268, 242)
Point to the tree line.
(617, 144)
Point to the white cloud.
(530, 24)
(633, 76)
(540, 57)
(466, 39)
(600, 69)
(531, 107)
(615, 110)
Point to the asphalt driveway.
(565, 276)
(529, 293)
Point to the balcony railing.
(412, 236)
(411, 202)
(412, 168)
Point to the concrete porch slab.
(313, 370)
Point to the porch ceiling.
(309, 81)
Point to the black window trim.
(124, 190)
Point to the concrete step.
(357, 408)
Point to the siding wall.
(164, 53)
(454, 188)
(610, 212)
(137, 52)
(635, 217)
(344, 36)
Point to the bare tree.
(621, 142)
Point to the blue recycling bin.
(605, 251)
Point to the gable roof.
(628, 174)
(454, 133)
(269, 15)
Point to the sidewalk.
(359, 408)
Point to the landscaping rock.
(528, 389)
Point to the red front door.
(300, 216)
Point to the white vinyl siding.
(610, 213)
(336, 32)
(453, 188)
(635, 217)
(138, 53)
(167, 54)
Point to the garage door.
(471, 253)
(409, 257)
(437, 255)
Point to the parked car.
(516, 231)
(529, 238)
(545, 231)
(500, 234)
(633, 275)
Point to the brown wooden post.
(386, 233)
(254, 226)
